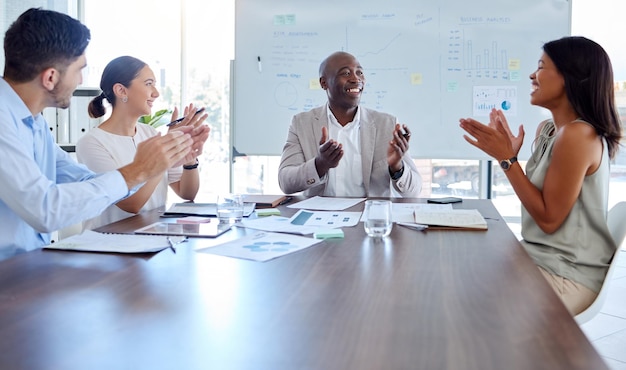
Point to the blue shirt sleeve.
(43, 189)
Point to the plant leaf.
(153, 120)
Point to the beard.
(61, 97)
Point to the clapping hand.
(192, 124)
(330, 153)
(494, 139)
(398, 146)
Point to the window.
(192, 62)
(12, 9)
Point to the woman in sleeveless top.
(564, 193)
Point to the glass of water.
(230, 208)
(377, 217)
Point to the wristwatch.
(507, 163)
(396, 175)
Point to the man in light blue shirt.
(42, 189)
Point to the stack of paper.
(453, 218)
(92, 241)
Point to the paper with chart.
(277, 224)
(262, 246)
(304, 222)
(326, 219)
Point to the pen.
(173, 243)
(182, 118)
(259, 63)
(285, 201)
(169, 240)
(417, 227)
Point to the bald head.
(332, 59)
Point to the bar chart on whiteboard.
(486, 98)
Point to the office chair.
(616, 222)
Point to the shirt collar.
(332, 119)
(19, 108)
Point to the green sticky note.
(328, 234)
(268, 212)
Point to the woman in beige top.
(564, 193)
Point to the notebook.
(91, 241)
(467, 219)
(265, 200)
(203, 230)
(202, 209)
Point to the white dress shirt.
(346, 180)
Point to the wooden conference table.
(416, 300)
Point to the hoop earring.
(124, 99)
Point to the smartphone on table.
(445, 200)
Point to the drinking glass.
(377, 218)
(230, 208)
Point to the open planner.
(452, 218)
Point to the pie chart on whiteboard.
(506, 105)
(285, 94)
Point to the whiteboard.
(429, 63)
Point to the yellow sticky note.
(416, 79)
(514, 64)
(314, 84)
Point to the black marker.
(285, 201)
(182, 118)
(259, 63)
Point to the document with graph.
(262, 246)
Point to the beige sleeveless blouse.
(580, 250)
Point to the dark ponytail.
(96, 107)
(122, 70)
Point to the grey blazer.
(297, 171)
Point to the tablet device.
(202, 209)
(445, 200)
(204, 230)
